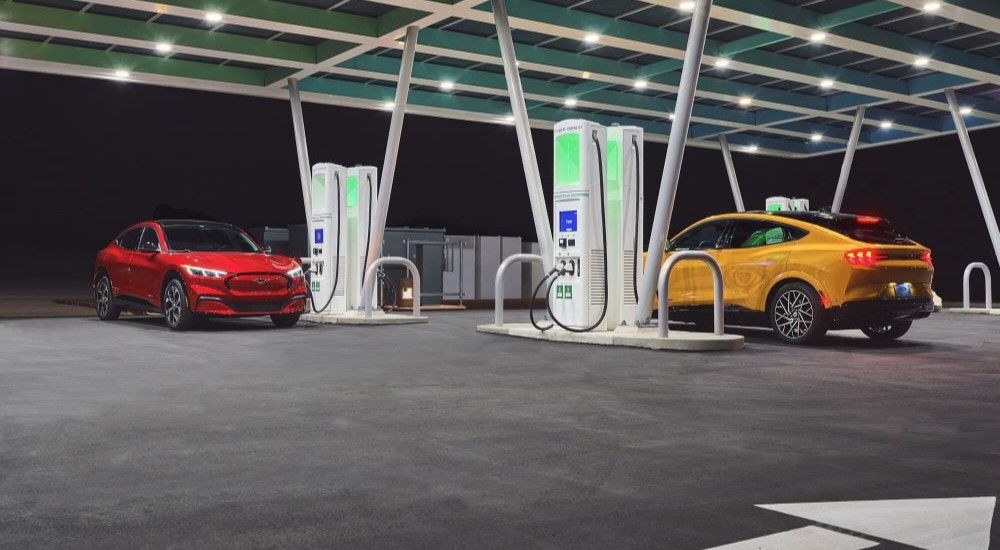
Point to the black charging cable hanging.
(635, 237)
(534, 297)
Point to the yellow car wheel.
(797, 314)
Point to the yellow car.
(803, 273)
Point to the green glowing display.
(567, 160)
(319, 193)
(352, 191)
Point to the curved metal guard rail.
(369, 285)
(668, 266)
(498, 288)
(989, 284)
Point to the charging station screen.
(318, 236)
(567, 221)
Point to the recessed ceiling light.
(163, 47)
(671, 116)
(921, 62)
(817, 36)
(213, 16)
(388, 106)
(122, 73)
(586, 75)
(826, 84)
(753, 149)
(885, 125)
(932, 6)
(570, 102)
(592, 38)
(687, 5)
(745, 102)
(641, 84)
(447, 85)
(817, 137)
(722, 62)
(965, 110)
(509, 119)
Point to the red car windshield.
(207, 238)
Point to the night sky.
(81, 159)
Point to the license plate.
(903, 290)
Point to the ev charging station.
(343, 205)
(591, 292)
(597, 225)
(362, 195)
(582, 249)
(328, 238)
(626, 201)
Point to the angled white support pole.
(675, 156)
(845, 170)
(392, 147)
(977, 176)
(301, 147)
(536, 195)
(731, 170)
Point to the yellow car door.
(755, 253)
(690, 281)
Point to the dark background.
(81, 159)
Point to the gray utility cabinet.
(492, 251)
(460, 267)
(425, 248)
(473, 269)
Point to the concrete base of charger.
(974, 310)
(378, 318)
(624, 337)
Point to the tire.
(888, 333)
(797, 315)
(176, 313)
(285, 321)
(104, 300)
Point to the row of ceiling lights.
(212, 17)
(215, 17)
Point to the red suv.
(193, 269)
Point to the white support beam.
(532, 176)
(845, 169)
(734, 183)
(302, 149)
(977, 175)
(675, 156)
(392, 148)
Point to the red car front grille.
(257, 282)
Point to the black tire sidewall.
(113, 310)
(819, 326)
(186, 317)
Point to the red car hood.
(236, 262)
